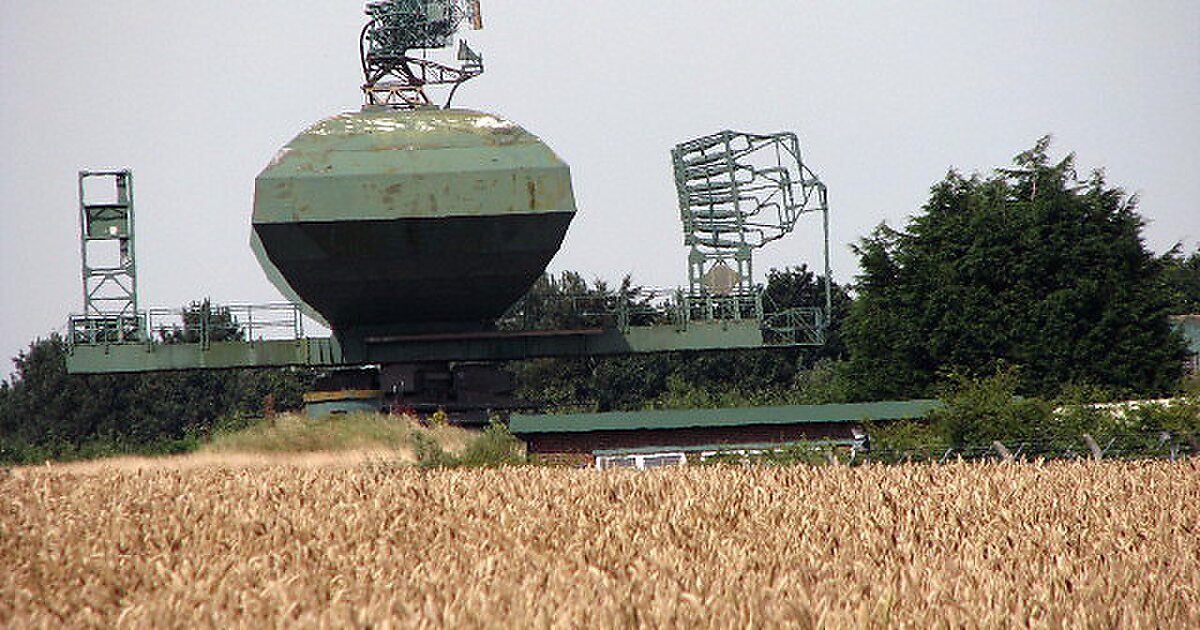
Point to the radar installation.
(416, 253)
(395, 76)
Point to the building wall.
(586, 442)
(1189, 325)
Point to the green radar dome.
(423, 220)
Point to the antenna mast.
(395, 75)
(110, 305)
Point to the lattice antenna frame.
(110, 291)
(394, 74)
(737, 192)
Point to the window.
(640, 461)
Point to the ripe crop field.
(992, 545)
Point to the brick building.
(582, 437)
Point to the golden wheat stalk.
(985, 545)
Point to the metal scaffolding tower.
(110, 306)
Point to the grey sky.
(196, 97)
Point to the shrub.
(492, 448)
(978, 411)
(905, 440)
(496, 447)
(1182, 415)
(428, 452)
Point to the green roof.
(733, 417)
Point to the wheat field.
(288, 544)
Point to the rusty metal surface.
(385, 164)
(395, 73)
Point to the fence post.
(1097, 454)
(1191, 438)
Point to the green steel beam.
(156, 357)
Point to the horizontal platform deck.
(475, 346)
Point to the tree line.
(46, 413)
(1030, 271)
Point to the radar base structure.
(722, 310)
(264, 350)
(730, 203)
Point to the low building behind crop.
(680, 434)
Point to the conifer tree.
(1029, 266)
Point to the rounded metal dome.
(410, 220)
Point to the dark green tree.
(48, 413)
(638, 381)
(203, 321)
(1183, 280)
(1029, 266)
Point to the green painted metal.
(323, 409)
(522, 424)
(159, 357)
(479, 346)
(1189, 327)
(526, 344)
(343, 402)
(110, 302)
(387, 164)
(737, 192)
(399, 25)
(410, 220)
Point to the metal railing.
(106, 329)
(204, 323)
(795, 326)
(1160, 445)
(198, 323)
(618, 309)
(734, 306)
(659, 306)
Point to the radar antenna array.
(395, 76)
(737, 192)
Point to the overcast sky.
(197, 97)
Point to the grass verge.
(438, 446)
